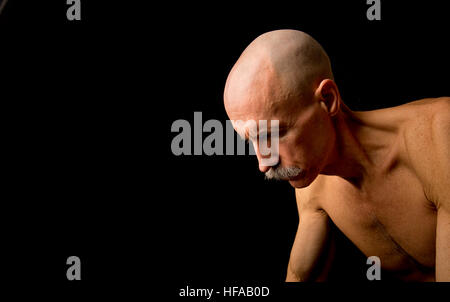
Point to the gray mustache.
(280, 173)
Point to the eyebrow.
(267, 133)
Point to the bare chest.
(391, 219)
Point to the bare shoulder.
(440, 101)
(427, 118)
(440, 125)
(427, 139)
(441, 116)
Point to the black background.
(88, 107)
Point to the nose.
(263, 169)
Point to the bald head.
(277, 72)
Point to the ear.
(328, 95)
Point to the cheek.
(322, 145)
(319, 132)
(291, 152)
(309, 146)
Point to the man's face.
(305, 141)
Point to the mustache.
(280, 173)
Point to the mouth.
(298, 176)
(290, 173)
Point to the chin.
(298, 184)
(302, 181)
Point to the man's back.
(387, 213)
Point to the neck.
(362, 143)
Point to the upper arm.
(306, 260)
(443, 245)
(440, 189)
(429, 145)
(440, 149)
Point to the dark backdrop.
(88, 111)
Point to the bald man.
(382, 176)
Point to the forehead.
(259, 99)
(261, 102)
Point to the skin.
(382, 176)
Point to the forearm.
(312, 251)
(443, 246)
